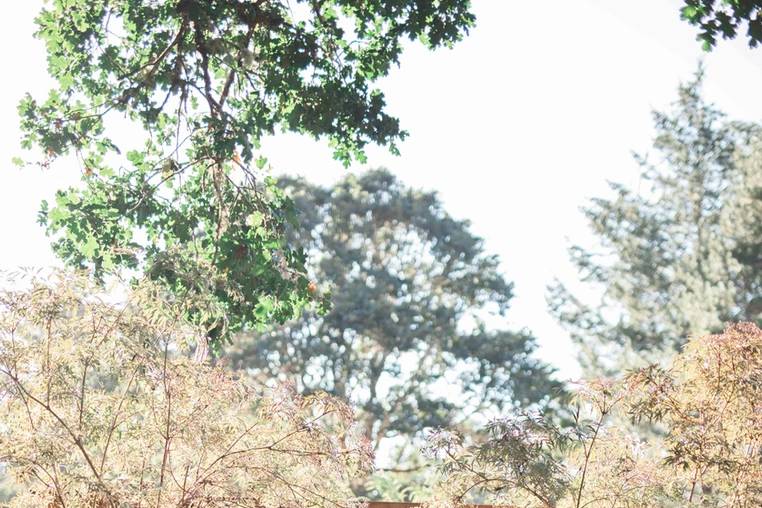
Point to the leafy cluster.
(724, 18)
(710, 401)
(101, 408)
(306, 66)
(520, 453)
(705, 452)
(201, 82)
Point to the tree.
(680, 255)
(707, 403)
(204, 81)
(100, 409)
(724, 18)
(406, 340)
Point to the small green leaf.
(89, 247)
(58, 215)
(108, 261)
(255, 219)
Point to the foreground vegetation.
(701, 445)
(102, 406)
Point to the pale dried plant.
(703, 447)
(102, 406)
(710, 402)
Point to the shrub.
(100, 407)
(703, 445)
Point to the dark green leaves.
(256, 65)
(724, 18)
(205, 80)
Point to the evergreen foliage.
(679, 255)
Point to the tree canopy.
(408, 338)
(203, 82)
(679, 256)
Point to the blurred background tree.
(411, 338)
(679, 255)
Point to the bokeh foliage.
(679, 255)
(416, 335)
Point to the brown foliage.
(703, 445)
(101, 407)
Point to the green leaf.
(58, 215)
(108, 262)
(89, 247)
(255, 219)
(689, 12)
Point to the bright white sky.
(517, 127)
